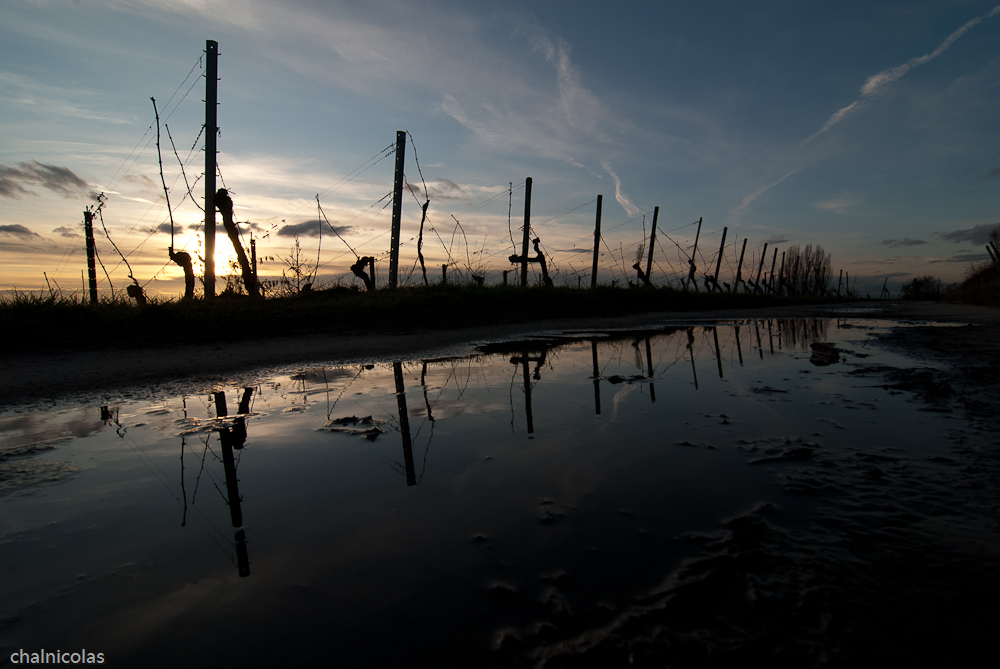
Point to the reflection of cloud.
(899, 243)
(61, 180)
(876, 82)
(622, 198)
(311, 229)
(17, 231)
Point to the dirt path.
(34, 378)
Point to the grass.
(981, 286)
(46, 323)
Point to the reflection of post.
(427, 402)
(649, 370)
(527, 395)
(739, 347)
(231, 438)
(760, 348)
(718, 356)
(690, 347)
(404, 423)
(597, 379)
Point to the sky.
(870, 129)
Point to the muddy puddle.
(708, 494)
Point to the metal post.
(211, 134)
(527, 228)
(397, 208)
(597, 244)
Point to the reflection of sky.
(862, 127)
(338, 541)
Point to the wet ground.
(705, 494)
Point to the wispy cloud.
(838, 205)
(312, 229)
(900, 243)
(876, 82)
(17, 231)
(979, 234)
(738, 211)
(963, 257)
(622, 198)
(60, 180)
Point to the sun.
(224, 254)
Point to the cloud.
(838, 205)
(311, 229)
(146, 185)
(994, 173)
(978, 235)
(875, 83)
(622, 198)
(963, 257)
(899, 243)
(17, 231)
(777, 239)
(441, 189)
(66, 231)
(60, 180)
(738, 211)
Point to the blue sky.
(868, 128)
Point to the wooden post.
(840, 280)
(763, 257)
(691, 262)
(505, 278)
(739, 268)
(444, 274)
(718, 262)
(597, 244)
(397, 208)
(88, 229)
(527, 228)
(652, 243)
(211, 134)
(253, 257)
(774, 259)
(781, 275)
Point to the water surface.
(703, 494)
